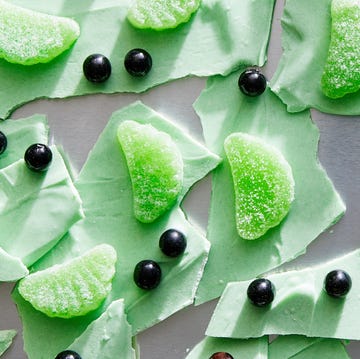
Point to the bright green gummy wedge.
(155, 166)
(263, 184)
(73, 288)
(161, 14)
(342, 69)
(28, 37)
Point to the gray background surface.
(76, 124)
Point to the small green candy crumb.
(161, 14)
(73, 288)
(263, 184)
(6, 339)
(342, 68)
(155, 166)
(28, 37)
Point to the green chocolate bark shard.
(237, 348)
(263, 184)
(217, 27)
(106, 337)
(223, 110)
(73, 288)
(20, 135)
(29, 37)
(301, 305)
(341, 71)
(6, 338)
(37, 209)
(161, 14)
(11, 268)
(155, 167)
(306, 37)
(300, 347)
(104, 185)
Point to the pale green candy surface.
(155, 166)
(237, 348)
(28, 37)
(73, 288)
(6, 338)
(263, 184)
(223, 110)
(161, 14)
(300, 306)
(11, 268)
(300, 347)
(109, 336)
(342, 69)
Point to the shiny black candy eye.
(68, 354)
(138, 62)
(221, 355)
(38, 157)
(97, 68)
(261, 292)
(252, 82)
(147, 274)
(172, 243)
(3, 142)
(337, 283)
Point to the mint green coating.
(249, 349)
(20, 135)
(341, 71)
(161, 14)
(215, 41)
(11, 268)
(109, 336)
(305, 39)
(263, 184)
(300, 347)
(301, 305)
(223, 110)
(155, 166)
(30, 223)
(29, 37)
(6, 338)
(73, 288)
(105, 188)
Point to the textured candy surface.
(28, 37)
(342, 69)
(263, 184)
(161, 14)
(155, 166)
(6, 338)
(73, 288)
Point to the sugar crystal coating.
(28, 37)
(342, 69)
(156, 168)
(161, 14)
(73, 288)
(263, 184)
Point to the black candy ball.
(3, 142)
(337, 283)
(138, 62)
(252, 82)
(172, 243)
(97, 68)
(261, 292)
(147, 274)
(68, 354)
(38, 157)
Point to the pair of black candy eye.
(147, 273)
(252, 82)
(97, 67)
(337, 284)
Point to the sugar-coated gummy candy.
(73, 288)
(28, 37)
(263, 184)
(342, 68)
(161, 14)
(155, 166)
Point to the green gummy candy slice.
(342, 68)
(28, 37)
(263, 184)
(73, 288)
(155, 166)
(161, 14)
